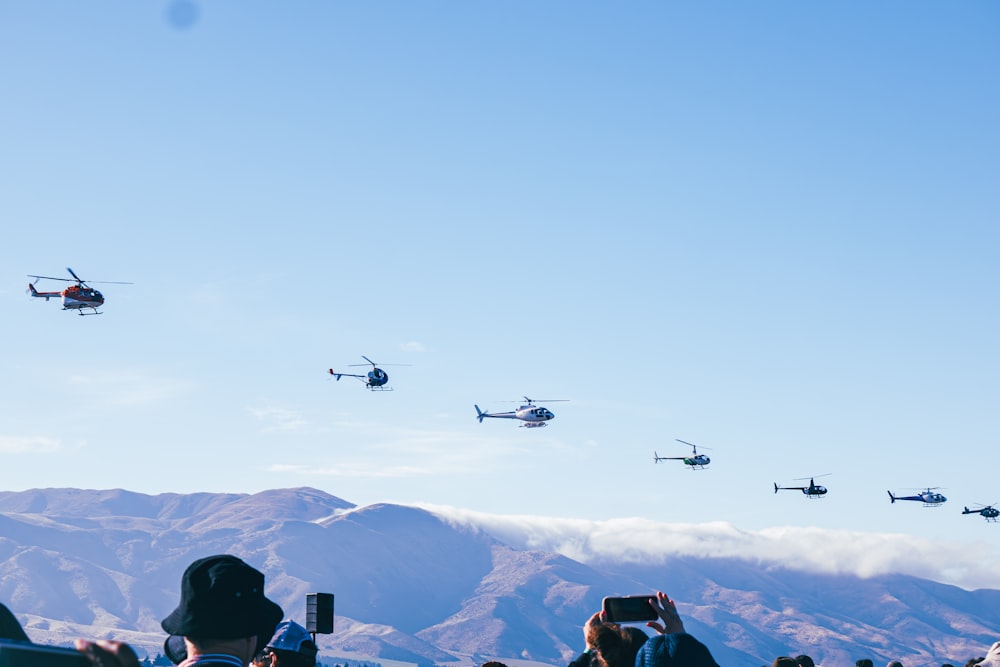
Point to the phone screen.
(629, 609)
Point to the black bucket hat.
(222, 598)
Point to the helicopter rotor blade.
(65, 280)
(691, 444)
(77, 280)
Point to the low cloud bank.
(967, 565)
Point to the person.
(10, 627)
(107, 653)
(894, 663)
(291, 646)
(864, 662)
(673, 646)
(674, 650)
(784, 661)
(609, 644)
(613, 645)
(804, 661)
(222, 616)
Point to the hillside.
(411, 586)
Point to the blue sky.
(765, 228)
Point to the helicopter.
(532, 415)
(928, 497)
(75, 297)
(376, 378)
(696, 461)
(814, 490)
(988, 512)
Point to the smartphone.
(25, 654)
(629, 609)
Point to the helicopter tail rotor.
(775, 487)
(891, 497)
(480, 414)
(336, 374)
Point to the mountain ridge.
(413, 585)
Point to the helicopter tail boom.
(42, 295)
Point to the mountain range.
(415, 586)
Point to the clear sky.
(767, 228)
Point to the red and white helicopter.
(75, 297)
(533, 416)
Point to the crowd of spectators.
(224, 619)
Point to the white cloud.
(279, 419)
(32, 444)
(412, 346)
(128, 387)
(351, 470)
(810, 549)
(379, 451)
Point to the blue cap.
(674, 650)
(290, 636)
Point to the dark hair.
(615, 646)
(784, 661)
(804, 661)
(864, 662)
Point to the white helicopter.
(696, 461)
(533, 416)
(929, 497)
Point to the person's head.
(894, 663)
(864, 662)
(784, 661)
(10, 627)
(615, 645)
(493, 663)
(804, 661)
(222, 610)
(291, 646)
(674, 650)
